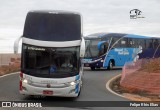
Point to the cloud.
(98, 15)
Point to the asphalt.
(94, 89)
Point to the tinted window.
(156, 43)
(149, 43)
(92, 49)
(131, 42)
(114, 43)
(50, 62)
(52, 27)
(121, 43)
(141, 43)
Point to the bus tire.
(79, 92)
(92, 68)
(110, 65)
(98, 67)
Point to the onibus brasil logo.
(136, 13)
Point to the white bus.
(52, 49)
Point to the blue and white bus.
(52, 49)
(114, 49)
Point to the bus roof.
(102, 35)
(137, 36)
(53, 12)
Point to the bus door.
(102, 47)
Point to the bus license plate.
(47, 92)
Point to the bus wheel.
(81, 82)
(92, 68)
(79, 92)
(110, 65)
(98, 67)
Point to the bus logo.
(52, 69)
(48, 85)
(136, 13)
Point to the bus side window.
(116, 45)
(156, 43)
(141, 42)
(136, 44)
(131, 43)
(123, 42)
(149, 43)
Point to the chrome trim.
(51, 43)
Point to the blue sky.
(98, 16)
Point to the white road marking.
(108, 86)
(9, 74)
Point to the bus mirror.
(82, 48)
(99, 44)
(16, 43)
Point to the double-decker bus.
(114, 49)
(52, 49)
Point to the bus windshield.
(50, 62)
(91, 48)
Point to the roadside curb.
(8, 74)
(109, 83)
(132, 97)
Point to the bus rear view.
(52, 48)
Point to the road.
(94, 89)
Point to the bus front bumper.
(70, 91)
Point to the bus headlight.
(102, 60)
(72, 83)
(25, 81)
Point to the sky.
(97, 15)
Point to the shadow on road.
(49, 98)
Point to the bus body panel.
(121, 55)
(58, 86)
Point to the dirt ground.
(133, 95)
(9, 63)
(152, 66)
(6, 69)
(142, 84)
